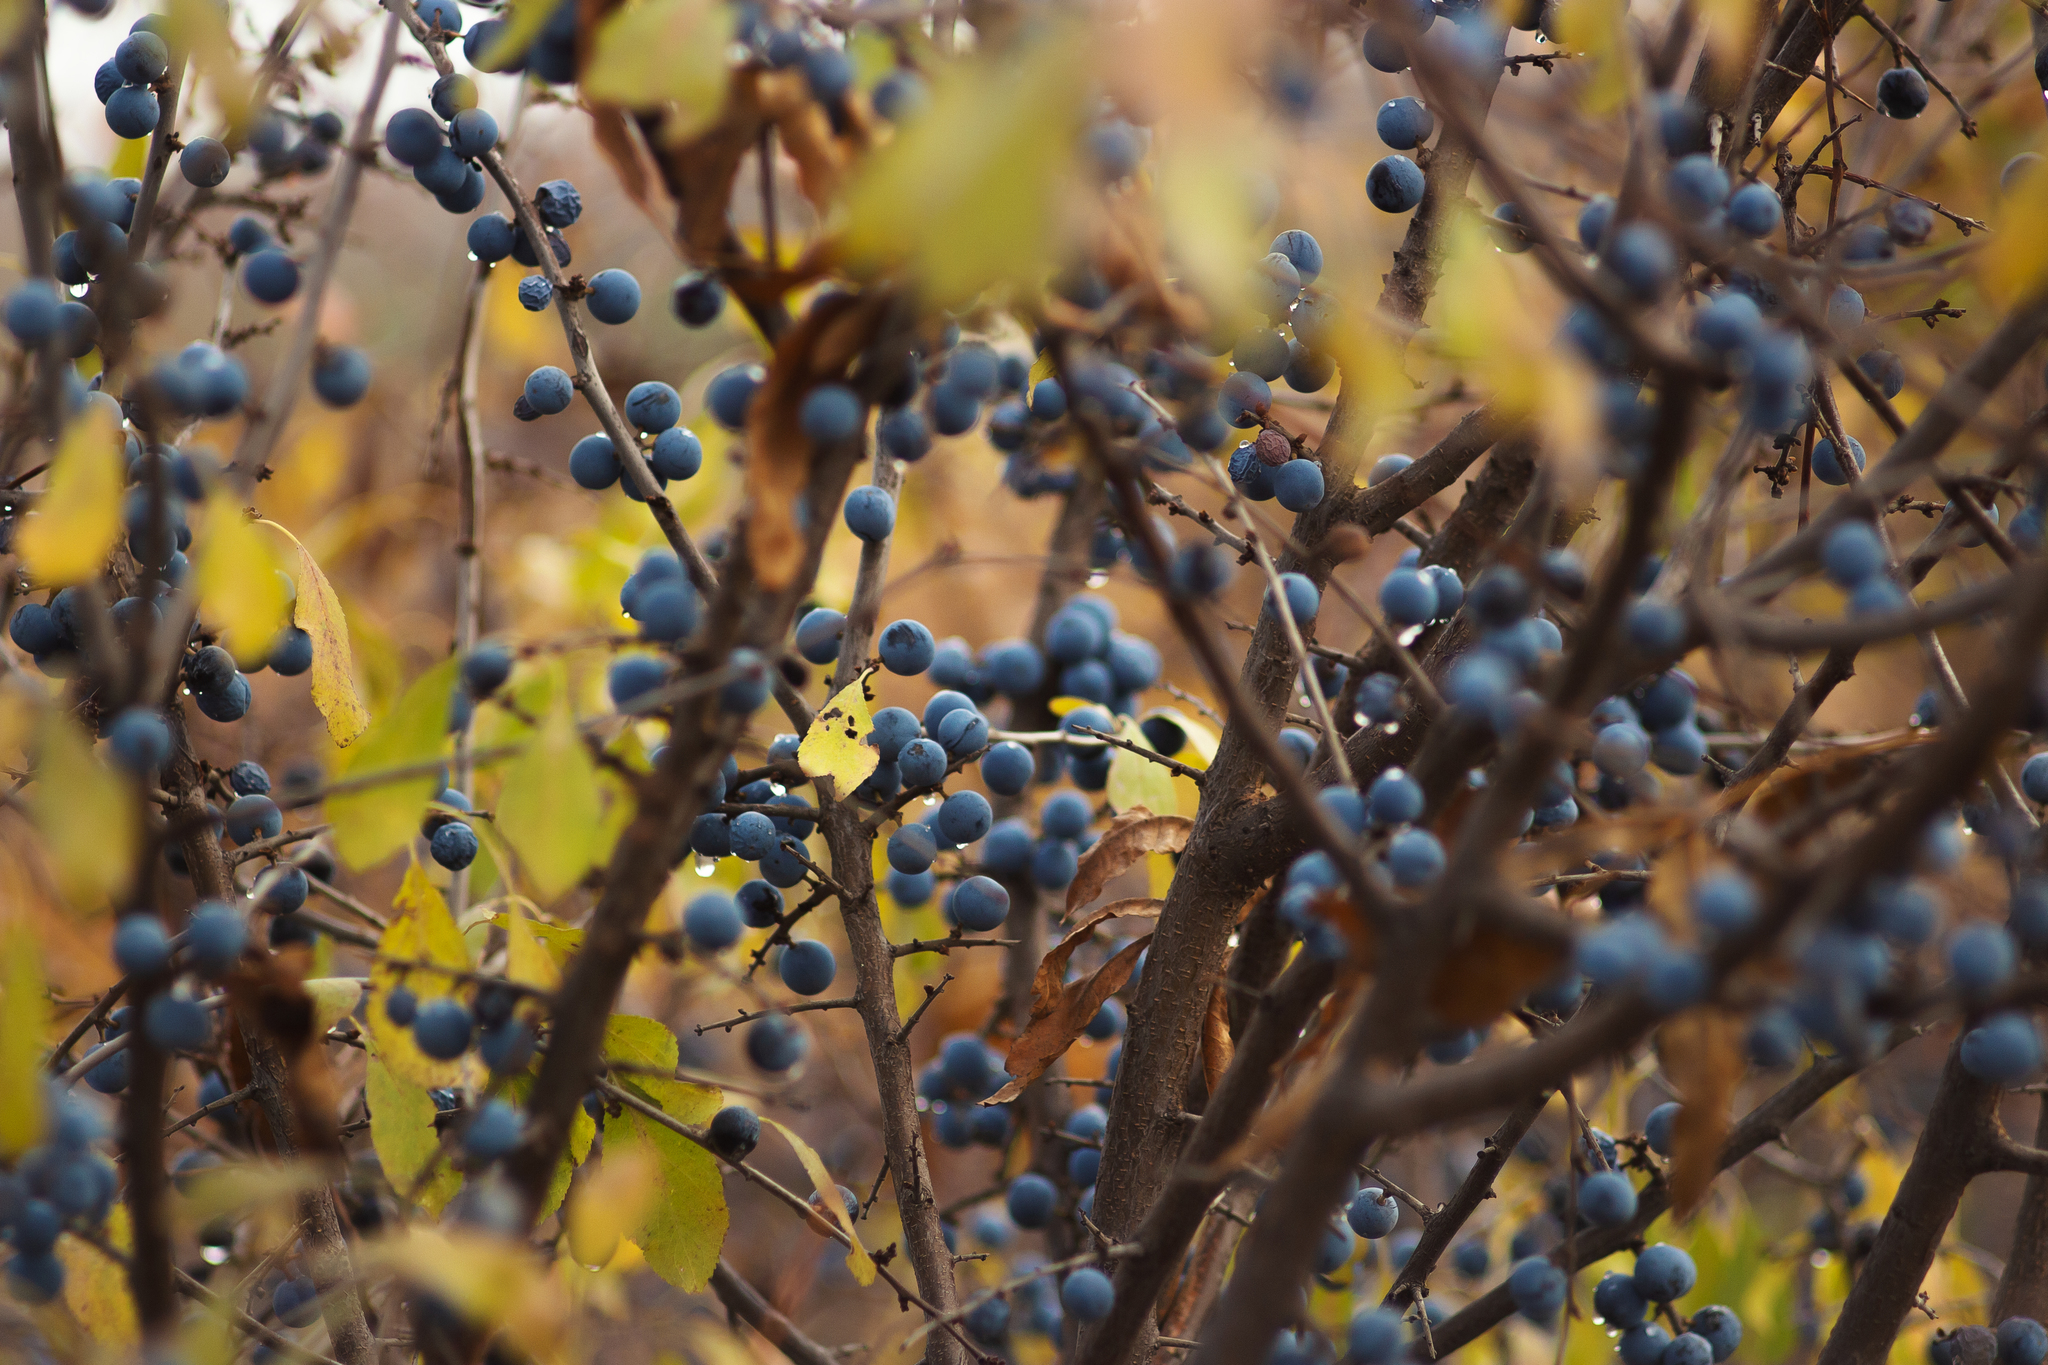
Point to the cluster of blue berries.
(62, 1182)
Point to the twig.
(844, 1002)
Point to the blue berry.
(1031, 1200)
(870, 513)
(980, 904)
(141, 947)
(614, 295)
(653, 406)
(906, 647)
(730, 393)
(1373, 1213)
(1664, 1273)
(270, 275)
(491, 237)
(1394, 184)
(341, 376)
(808, 967)
(549, 390)
(535, 293)
(1007, 768)
(454, 846)
(442, 1028)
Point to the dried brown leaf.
(819, 347)
(1217, 1048)
(1488, 973)
(1815, 775)
(1130, 837)
(1061, 1009)
(619, 139)
(1701, 1054)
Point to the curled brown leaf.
(1130, 837)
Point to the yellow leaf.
(79, 515)
(2017, 258)
(836, 744)
(96, 1286)
(234, 570)
(680, 1100)
(686, 1229)
(24, 1019)
(490, 1280)
(611, 1204)
(200, 27)
(663, 52)
(425, 932)
(640, 1041)
(402, 1131)
(374, 822)
(523, 22)
(549, 810)
(333, 998)
(1198, 746)
(560, 944)
(318, 613)
(857, 1260)
(86, 813)
(1135, 780)
(969, 192)
(527, 961)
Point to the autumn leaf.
(402, 1132)
(612, 1202)
(78, 517)
(1701, 1054)
(235, 569)
(832, 332)
(373, 822)
(836, 744)
(1060, 1009)
(662, 52)
(24, 1019)
(318, 612)
(86, 814)
(96, 1285)
(1217, 1048)
(858, 1261)
(550, 811)
(426, 931)
(1136, 782)
(686, 1227)
(1129, 837)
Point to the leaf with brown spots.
(1060, 1009)
(1130, 837)
(818, 348)
(1217, 1048)
(1701, 1054)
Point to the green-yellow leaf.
(402, 1131)
(680, 1100)
(318, 613)
(969, 192)
(836, 744)
(86, 813)
(641, 1042)
(1135, 780)
(857, 1260)
(425, 932)
(333, 997)
(78, 517)
(686, 1228)
(374, 822)
(663, 52)
(549, 810)
(527, 960)
(24, 1019)
(96, 1286)
(234, 569)
(613, 1202)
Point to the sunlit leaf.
(663, 52)
(87, 815)
(78, 517)
(686, 1228)
(640, 1041)
(318, 613)
(527, 960)
(24, 1019)
(969, 193)
(374, 822)
(1135, 780)
(402, 1131)
(836, 744)
(550, 809)
(96, 1286)
(858, 1261)
(200, 27)
(234, 571)
(424, 932)
(612, 1202)
(2016, 259)
(333, 998)
(487, 1279)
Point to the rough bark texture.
(2023, 1289)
